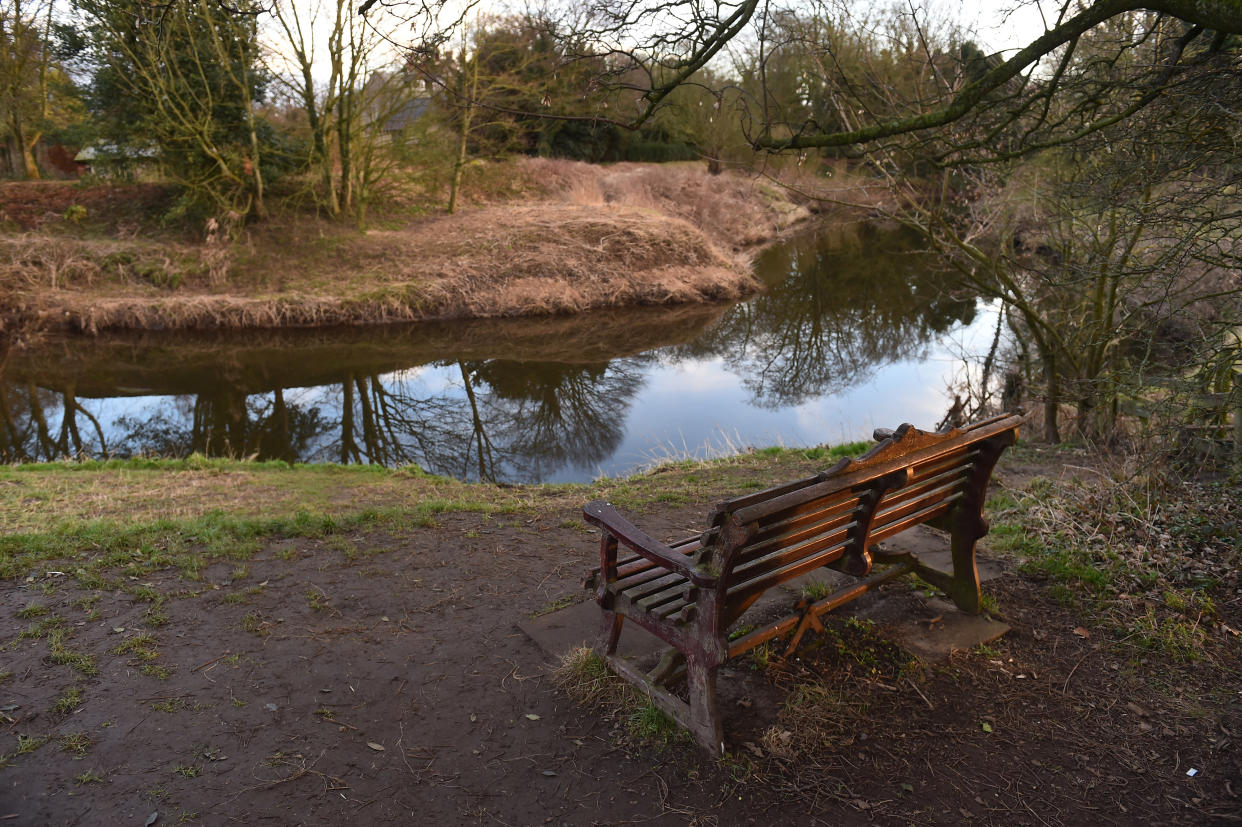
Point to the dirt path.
(379, 677)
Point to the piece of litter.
(530, 716)
(270, 707)
(1192, 772)
(375, 746)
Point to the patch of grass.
(32, 611)
(142, 645)
(584, 675)
(317, 599)
(30, 743)
(172, 705)
(990, 604)
(5, 674)
(69, 700)
(80, 661)
(847, 449)
(254, 623)
(156, 615)
(144, 594)
(1170, 637)
(816, 589)
(987, 650)
(48, 627)
(650, 723)
(76, 743)
(156, 670)
(188, 770)
(235, 598)
(761, 656)
(87, 605)
(89, 777)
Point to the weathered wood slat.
(688, 593)
(824, 554)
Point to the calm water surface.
(858, 330)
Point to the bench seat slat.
(674, 592)
(656, 584)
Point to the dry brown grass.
(580, 237)
(735, 210)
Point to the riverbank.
(214, 640)
(562, 237)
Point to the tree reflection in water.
(850, 302)
(841, 305)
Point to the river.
(858, 329)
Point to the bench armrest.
(609, 519)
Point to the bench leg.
(704, 721)
(610, 632)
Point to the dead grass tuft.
(585, 677)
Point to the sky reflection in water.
(858, 330)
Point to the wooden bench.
(690, 593)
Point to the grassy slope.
(561, 237)
(139, 515)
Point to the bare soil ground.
(563, 237)
(376, 675)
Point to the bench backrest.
(912, 477)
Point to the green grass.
(30, 743)
(76, 743)
(32, 611)
(69, 700)
(651, 724)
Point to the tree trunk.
(1052, 399)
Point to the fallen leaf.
(1081, 632)
(375, 746)
(530, 716)
(987, 727)
(550, 773)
